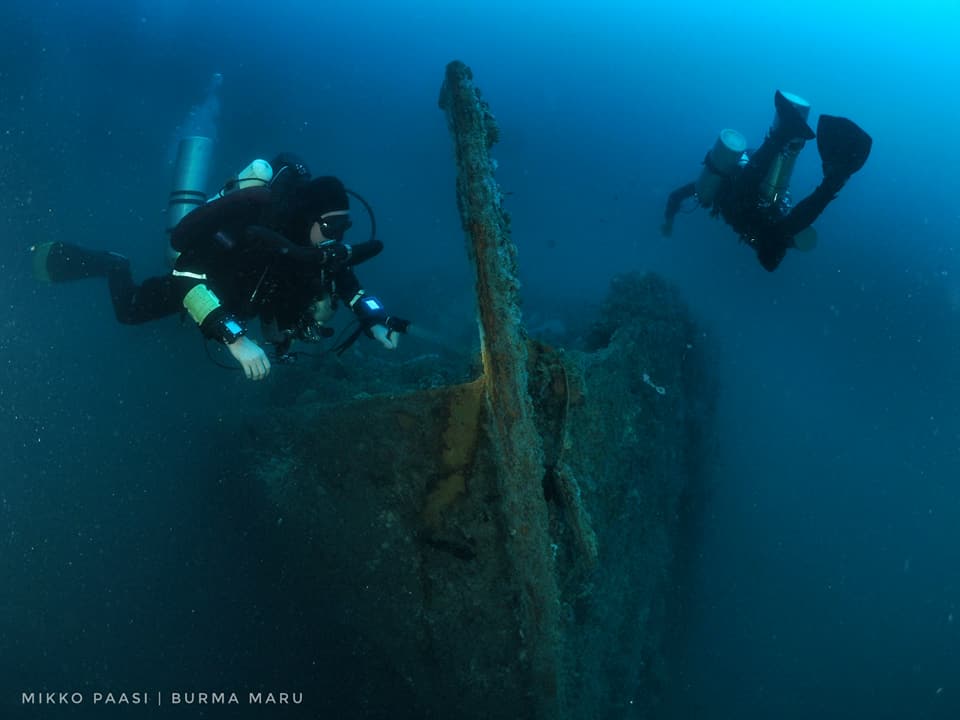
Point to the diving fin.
(844, 147)
(789, 120)
(40, 254)
(805, 240)
(62, 262)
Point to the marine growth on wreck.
(507, 546)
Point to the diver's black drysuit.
(254, 271)
(770, 228)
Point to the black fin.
(63, 262)
(844, 147)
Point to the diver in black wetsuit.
(275, 252)
(749, 190)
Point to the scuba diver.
(270, 246)
(749, 190)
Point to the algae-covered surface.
(506, 545)
(397, 499)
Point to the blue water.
(828, 578)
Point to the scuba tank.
(190, 172)
(192, 165)
(719, 164)
(774, 187)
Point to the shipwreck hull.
(508, 546)
(405, 527)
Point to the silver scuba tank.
(719, 164)
(190, 172)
